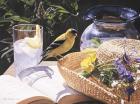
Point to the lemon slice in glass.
(34, 42)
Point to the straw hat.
(69, 65)
(116, 47)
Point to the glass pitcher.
(109, 22)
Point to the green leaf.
(2, 2)
(47, 2)
(7, 39)
(75, 5)
(85, 74)
(49, 16)
(7, 14)
(4, 49)
(28, 2)
(5, 20)
(19, 19)
(1, 25)
(5, 53)
(63, 11)
(26, 27)
(60, 9)
(96, 41)
(5, 42)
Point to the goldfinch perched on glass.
(61, 44)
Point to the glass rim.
(14, 27)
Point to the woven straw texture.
(116, 48)
(68, 66)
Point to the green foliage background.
(56, 16)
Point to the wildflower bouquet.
(118, 73)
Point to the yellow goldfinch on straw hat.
(61, 44)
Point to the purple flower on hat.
(122, 71)
(126, 59)
(125, 74)
(130, 79)
(129, 91)
(137, 60)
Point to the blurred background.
(56, 16)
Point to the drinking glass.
(28, 43)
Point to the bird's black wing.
(54, 45)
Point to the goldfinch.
(61, 44)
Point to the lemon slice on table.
(34, 42)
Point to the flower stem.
(105, 64)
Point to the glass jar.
(109, 22)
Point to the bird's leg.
(56, 58)
(60, 56)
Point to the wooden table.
(11, 69)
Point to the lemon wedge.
(34, 42)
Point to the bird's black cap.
(74, 31)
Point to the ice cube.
(21, 47)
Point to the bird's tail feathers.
(44, 57)
(45, 53)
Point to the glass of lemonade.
(28, 44)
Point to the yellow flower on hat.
(87, 63)
(89, 50)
